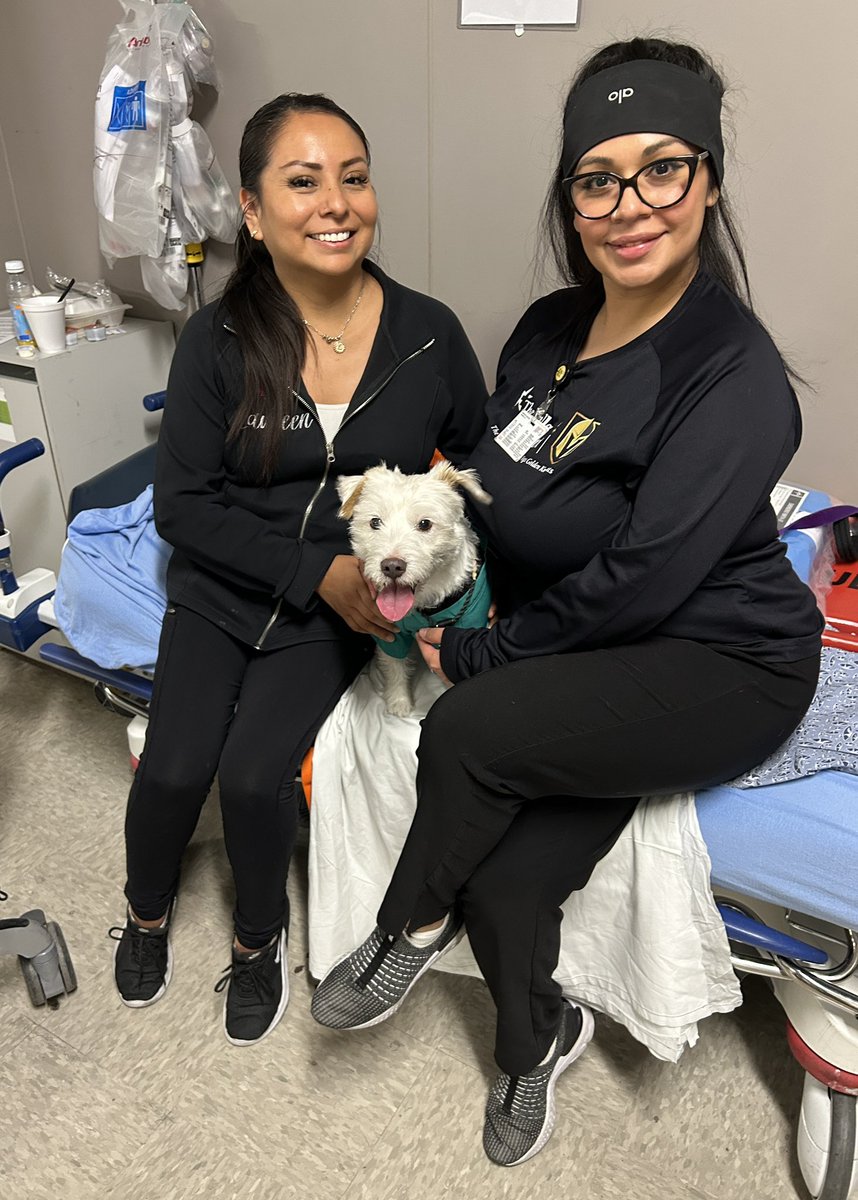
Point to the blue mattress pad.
(794, 844)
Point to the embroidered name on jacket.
(303, 420)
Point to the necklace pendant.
(339, 346)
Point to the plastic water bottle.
(18, 288)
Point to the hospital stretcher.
(784, 874)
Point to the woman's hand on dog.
(429, 644)
(349, 594)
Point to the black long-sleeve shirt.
(248, 556)
(645, 510)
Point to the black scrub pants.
(527, 775)
(219, 706)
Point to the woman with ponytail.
(313, 364)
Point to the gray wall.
(463, 125)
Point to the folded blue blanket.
(111, 590)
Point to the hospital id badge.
(522, 434)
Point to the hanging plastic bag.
(181, 91)
(192, 230)
(197, 52)
(206, 197)
(165, 277)
(155, 193)
(132, 165)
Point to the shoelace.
(144, 948)
(249, 980)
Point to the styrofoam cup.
(47, 319)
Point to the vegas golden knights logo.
(574, 433)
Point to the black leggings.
(528, 774)
(220, 706)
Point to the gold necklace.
(336, 339)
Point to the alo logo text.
(621, 94)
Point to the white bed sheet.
(643, 942)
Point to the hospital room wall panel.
(494, 113)
(50, 60)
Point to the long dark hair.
(720, 248)
(263, 315)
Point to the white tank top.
(330, 418)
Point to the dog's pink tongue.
(395, 601)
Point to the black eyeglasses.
(661, 184)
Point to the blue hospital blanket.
(111, 590)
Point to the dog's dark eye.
(425, 525)
(375, 523)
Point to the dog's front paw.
(399, 706)
(395, 684)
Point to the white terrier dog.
(421, 556)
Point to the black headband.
(645, 96)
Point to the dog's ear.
(468, 480)
(349, 488)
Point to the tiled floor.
(98, 1102)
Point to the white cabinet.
(85, 405)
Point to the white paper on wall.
(518, 12)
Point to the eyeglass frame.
(693, 161)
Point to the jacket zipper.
(330, 457)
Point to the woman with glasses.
(651, 636)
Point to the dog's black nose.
(393, 568)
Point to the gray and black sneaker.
(142, 960)
(258, 992)
(369, 985)
(520, 1108)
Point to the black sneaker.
(142, 961)
(369, 984)
(520, 1108)
(258, 992)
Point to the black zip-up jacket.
(646, 508)
(249, 558)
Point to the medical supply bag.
(132, 169)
